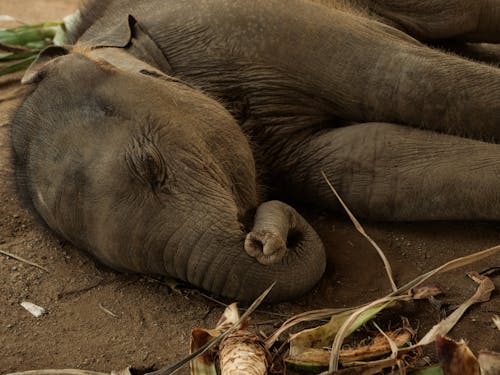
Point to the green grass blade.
(20, 65)
(10, 56)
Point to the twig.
(361, 230)
(212, 299)
(109, 312)
(220, 303)
(64, 294)
(17, 257)
(392, 344)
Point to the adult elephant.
(147, 141)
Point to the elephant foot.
(265, 246)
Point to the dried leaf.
(324, 335)
(496, 321)
(204, 364)
(425, 291)
(307, 316)
(451, 265)
(392, 344)
(346, 327)
(379, 347)
(489, 362)
(230, 316)
(448, 266)
(456, 357)
(316, 360)
(482, 294)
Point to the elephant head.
(149, 175)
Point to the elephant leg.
(483, 52)
(430, 89)
(392, 172)
(472, 20)
(365, 71)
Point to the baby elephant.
(145, 141)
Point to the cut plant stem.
(177, 366)
(243, 352)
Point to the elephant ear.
(38, 68)
(118, 35)
(132, 37)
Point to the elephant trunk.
(217, 261)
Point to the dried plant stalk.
(482, 294)
(243, 352)
(361, 230)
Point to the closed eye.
(147, 164)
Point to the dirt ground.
(151, 324)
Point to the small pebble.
(35, 310)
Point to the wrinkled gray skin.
(140, 144)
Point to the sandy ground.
(151, 324)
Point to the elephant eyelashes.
(146, 163)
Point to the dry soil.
(150, 325)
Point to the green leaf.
(324, 335)
(306, 367)
(11, 56)
(17, 66)
(30, 34)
